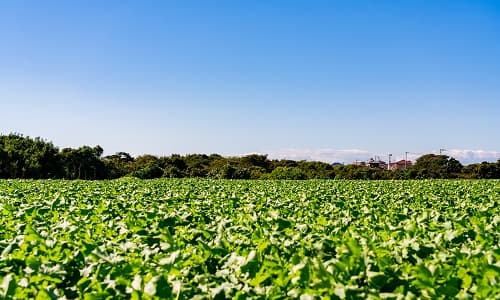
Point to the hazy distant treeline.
(25, 157)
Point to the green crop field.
(205, 239)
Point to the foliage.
(437, 166)
(211, 239)
(147, 167)
(316, 169)
(291, 173)
(483, 170)
(23, 157)
(83, 163)
(365, 173)
(228, 171)
(118, 165)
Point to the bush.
(292, 173)
(229, 171)
(148, 172)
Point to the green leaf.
(45, 295)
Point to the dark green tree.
(197, 165)
(83, 163)
(254, 160)
(291, 173)
(353, 172)
(316, 169)
(147, 167)
(118, 165)
(484, 170)
(24, 157)
(437, 166)
(228, 171)
(173, 166)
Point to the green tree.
(292, 173)
(484, 170)
(228, 171)
(353, 172)
(316, 169)
(437, 166)
(197, 165)
(83, 163)
(254, 160)
(147, 167)
(24, 157)
(174, 166)
(118, 165)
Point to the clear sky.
(329, 80)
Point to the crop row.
(206, 239)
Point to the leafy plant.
(204, 239)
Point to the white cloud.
(350, 155)
(325, 155)
(473, 156)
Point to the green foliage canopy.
(234, 239)
(24, 157)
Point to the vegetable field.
(208, 239)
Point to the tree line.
(34, 158)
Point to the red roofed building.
(400, 165)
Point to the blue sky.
(329, 80)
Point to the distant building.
(400, 165)
(376, 163)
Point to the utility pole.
(441, 151)
(389, 165)
(406, 159)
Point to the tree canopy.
(25, 157)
